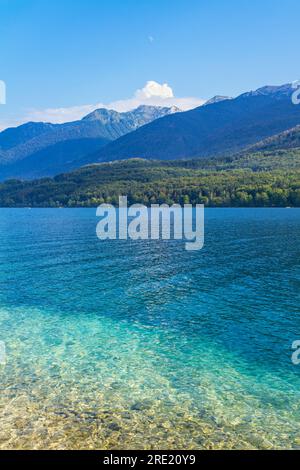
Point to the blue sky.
(66, 54)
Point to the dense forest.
(262, 179)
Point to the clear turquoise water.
(135, 344)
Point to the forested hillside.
(261, 179)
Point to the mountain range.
(225, 127)
(261, 120)
(39, 149)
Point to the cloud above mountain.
(153, 93)
(152, 89)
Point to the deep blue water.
(142, 344)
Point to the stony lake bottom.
(143, 345)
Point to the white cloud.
(60, 115)
(153, 93)
(154, 89)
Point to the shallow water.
(141, 344)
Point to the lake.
(140, 344)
